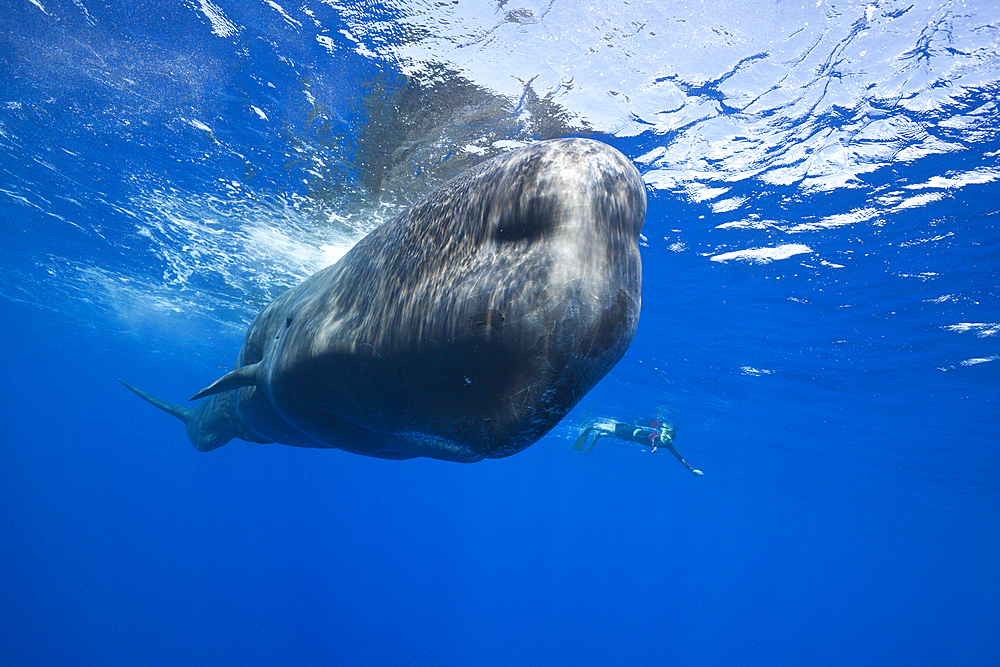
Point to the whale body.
(465, 328)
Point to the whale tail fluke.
(179, 411)
(208, 426)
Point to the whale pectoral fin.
(245, 376)
(179, 411)
(209, 426)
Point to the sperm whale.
(465, 328)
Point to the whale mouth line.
(405, 444)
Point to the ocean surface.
(820, 323)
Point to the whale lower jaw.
(412, 445)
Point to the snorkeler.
(656, 435)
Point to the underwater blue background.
(821, 319)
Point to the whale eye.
(530, 220)
(288, 321)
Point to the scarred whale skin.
(463, 329)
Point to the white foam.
(281, 10)
(980, 360)
(198, 124)
(981, 329)
(974, 177)
(221, 26)
(763, 255)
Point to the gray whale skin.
(463, 329)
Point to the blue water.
(821, 323)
